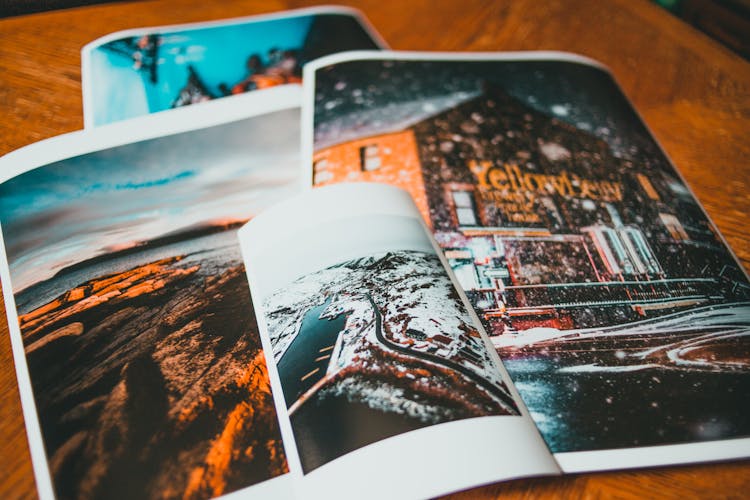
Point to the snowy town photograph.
(376, 346)
(168, 68)
(619, 312)
(135, 314)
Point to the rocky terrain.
(151, 383)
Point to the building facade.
(542, 224)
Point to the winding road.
(484, 383)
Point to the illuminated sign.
(514, 191)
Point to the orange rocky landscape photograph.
(134, 308)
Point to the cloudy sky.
(78, 208)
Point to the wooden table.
(693, 93)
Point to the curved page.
(139, 364)
(381, 371)
(141, 71)
(616, 306)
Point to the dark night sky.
(363, 98)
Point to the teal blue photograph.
(138, 72)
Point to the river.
(306, 359)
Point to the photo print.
(133, 306)
(137, 72)
(370, 337)
(617, 308)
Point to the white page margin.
(652, 456)
(82, 142)
(448, 456)
(87, 82)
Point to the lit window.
(674, 227)
(463, 202)
(641, 254)
(369, 157)
(462, 263)
(321, 173)
(648, 187)
(320, 165)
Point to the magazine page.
(140, 71)
(138, 359)
(379, 364)
(619, 311)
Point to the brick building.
(542, 223)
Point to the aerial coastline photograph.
(376, 346)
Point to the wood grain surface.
(693, 93)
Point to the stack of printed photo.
(284, 261)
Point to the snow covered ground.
(703, 338)
(419, 318)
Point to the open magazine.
(542, 295)
(616, 307)
(139, 365)
(379, 365)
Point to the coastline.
(164, 385)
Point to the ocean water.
(214, 253)
(304, 353)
